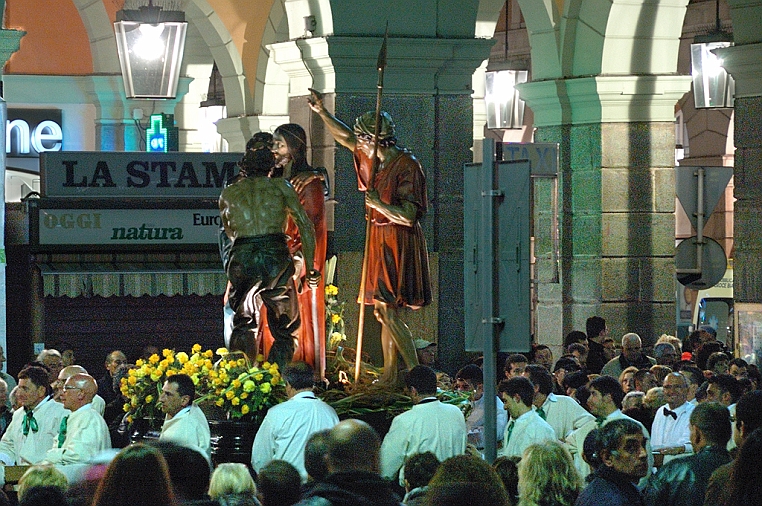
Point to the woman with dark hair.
(290, 148)
(746, 474)
(138, 476)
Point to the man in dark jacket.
(353, 464)
(682, 482)
(622, 448)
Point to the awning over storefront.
(74, 279)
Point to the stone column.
(427, 91)
(743, 63)
(9, 44)
(616, 201)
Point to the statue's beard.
(282, 161)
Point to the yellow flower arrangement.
(232, 383)
(334, 317)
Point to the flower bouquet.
(231, 384)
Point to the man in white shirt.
(184, 423)
(429, 426)
(526, 427)
(82, 434)
(471, 379)
(670, 431)
(287, 427)
(561, 412)
(35, 425)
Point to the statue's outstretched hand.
(315, 101)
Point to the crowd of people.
(593, 427)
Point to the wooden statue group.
(275, 235)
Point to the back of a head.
(508, 470)
(540, 377)
(423, 379)
(231, 478)
(345, 439)
(189, 470)
(465, 479)
(315, 451)
(746, 474)
(538, 486)
(41, 476)
(472, 373)
(713, 420)
(279, 484)
(594, 326)
(575, 336)
(749, 411)
(420, 468)
(300, 375)
(43, 495)
(137, 476)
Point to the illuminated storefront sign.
(29, 132)
(134, 174)
(128, 226)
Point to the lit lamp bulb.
(149, 45)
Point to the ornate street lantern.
(151, 42)
(504, 107)
(713, 87)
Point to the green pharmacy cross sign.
(162, 134)
(156, 135)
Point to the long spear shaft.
(380, 65)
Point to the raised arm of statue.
(339, 130)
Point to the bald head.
(78, 390)
(344, 442)
(66, 373)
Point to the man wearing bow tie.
(35, 425)
(670, 432)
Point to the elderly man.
(34, 426)
(670, 431)
(83, 434)
(99, 405)
(184, 423)
(106, 383)
(287, 427)
(9, 380)
(429, 426)
(622, 449)
(682, 482)
(665, 354)
(632, 355)
(53, 361)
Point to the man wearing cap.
(426, 352)
(397, 264)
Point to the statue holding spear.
(395, 264)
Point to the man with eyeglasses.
(632, 355)
(83, 433)
(106, 383)
(670, 431)
(35, 425)
(67, 372)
